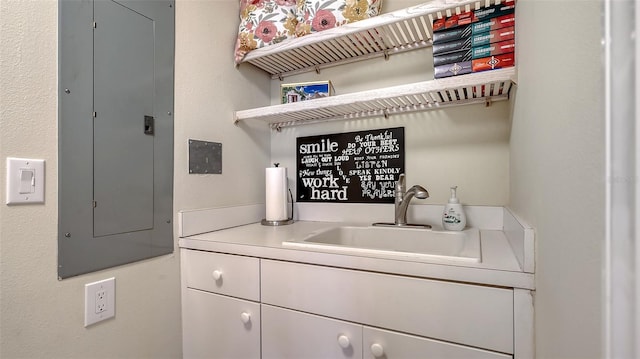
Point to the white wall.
(557, 168)
(465, 146)
(208, 91)
(40, 316)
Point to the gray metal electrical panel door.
(115, 133)
(123, 96)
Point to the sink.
(396, 242)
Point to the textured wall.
(41, 317)
(208, 91)
(557, 168)
(466, 146)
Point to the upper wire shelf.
(380, 36)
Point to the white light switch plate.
(25, 180)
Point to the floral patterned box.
(305, 91)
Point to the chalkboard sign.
(359, 167)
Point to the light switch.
(25, 180)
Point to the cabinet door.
(237, 276)
(296, 335)
(378, 344)
(472, 315)
(216, 326)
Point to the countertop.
(498, 267)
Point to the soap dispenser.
(453, 218)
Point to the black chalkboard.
(358, 167)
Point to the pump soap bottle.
(453, 218)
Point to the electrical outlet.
(99, 301)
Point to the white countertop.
(499, 265)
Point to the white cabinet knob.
(245, 317)
(217, 274)
(377, 350)
(343, 341)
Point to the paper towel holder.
(282, 222)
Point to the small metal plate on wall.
(205, 157)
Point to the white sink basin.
(396, 242)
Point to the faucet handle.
(400, 184)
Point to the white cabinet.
(264, 308)
(379, 344)
(221, 309)
(237, 276)
(217, 326)
(473, 315)
(288, 334)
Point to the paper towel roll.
(276, 193)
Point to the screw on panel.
(67, 91)
(68, 235)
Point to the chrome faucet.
(404, 197)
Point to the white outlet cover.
(96, 312)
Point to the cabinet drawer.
(468, 314)
(216, 326)
(379, 344)
(287, 334)
(237, 276)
